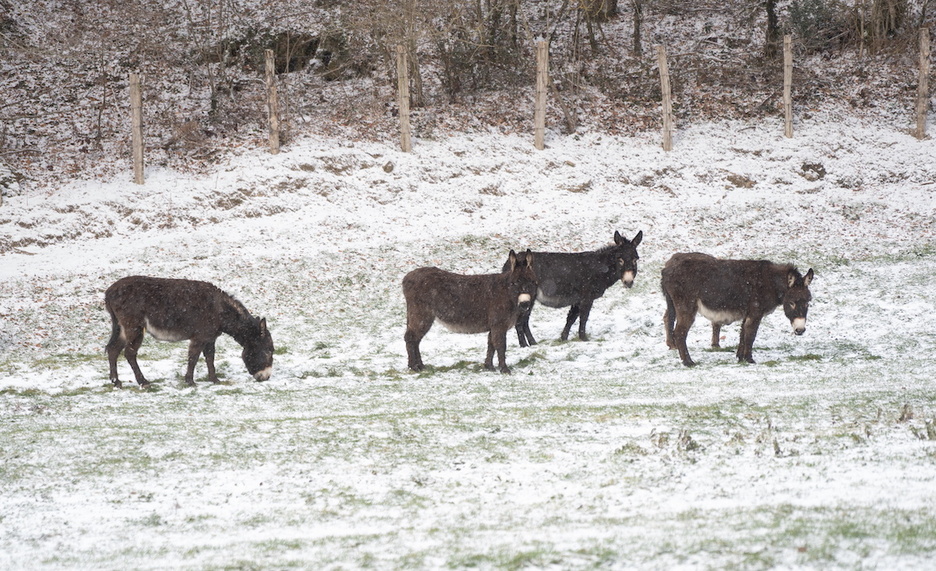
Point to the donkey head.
(625, 257)
(258, 352)
(796, 299)
(523, 284)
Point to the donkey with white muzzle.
(179, 310)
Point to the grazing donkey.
(468, 304)
(725, 291)
(179, 310)
(578, 279)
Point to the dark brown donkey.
(179, 310)
(468, 304)
(725, 291)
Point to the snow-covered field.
(607, 453)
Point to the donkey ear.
(528, 258)
(618, 239)
(263, 326)
(807, 279)
(791, 278)
(636, 241)
(512, 260)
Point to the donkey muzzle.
(799, 326)
(263, 375)
(525, 301)
(628, 278)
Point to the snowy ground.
(601, 454)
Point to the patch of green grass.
(630, 450)
(530, 359)
(151, 520)
(60, 361)
(806, 357)
(18, 392)
(465, 366)
(722, 349)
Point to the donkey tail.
(115, 324)
(669, 320)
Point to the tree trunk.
(773, 30)
(637, 5)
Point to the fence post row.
(787, 86)
(923, 85)
(539, 109)
(666, 90)
(403, 99)
(272, 102)
(539, 114)
(136, 114)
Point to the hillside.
(65, 71)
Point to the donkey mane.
(605, 249)
(236, 320)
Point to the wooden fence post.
(667, 99)
(136, 115)
(542, 86)
(922, 102)
(787, 86)
(272, 102)
(403, 99)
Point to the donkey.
(179, 310)
(468, 304)
(578, 279)
(725, 291)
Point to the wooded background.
(65, 68)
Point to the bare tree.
(887, 17)
(638, 7)
(773, 29)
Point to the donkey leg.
(749, 328)
(684, 321)
(716, 335)
(416, 328)
(584, 311)
(413, 357)
(114, 347)
(194, 352)
(570, 319)
(497, 342)
(489, 359)
(209, 353)
(133, 342)
(524, 335)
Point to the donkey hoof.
(117, 384)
